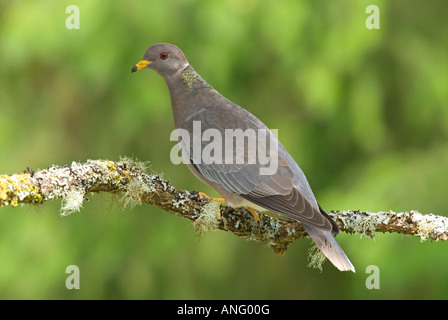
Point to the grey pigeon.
(240, 181)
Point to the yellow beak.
(141, 65)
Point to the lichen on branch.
(129, 180)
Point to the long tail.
(330, 247)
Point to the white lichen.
(316, 258)
(367, 226)
(133, 192)
(135, 163)
(207, 220)
(72, 202)
(427, 224)
(237, 224)
(22, 194)
(180, 201)
(363, 223)
(290, 232)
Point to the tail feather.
(330, 248)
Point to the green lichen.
(316, 258)
(19, 188)
(107, 169)
(266, 226)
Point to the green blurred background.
(364, 112)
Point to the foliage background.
(364, 112)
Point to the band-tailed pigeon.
(238, 179)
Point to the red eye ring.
(163, 55)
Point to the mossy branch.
(129, 180)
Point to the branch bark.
(128, 179)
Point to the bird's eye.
(163, 55)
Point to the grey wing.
(285, 191)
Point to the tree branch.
(128, 179)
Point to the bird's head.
(165, 58)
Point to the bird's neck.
(184, 87)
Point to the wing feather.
(286, 191)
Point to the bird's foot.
(253, 211)
(220, 200)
